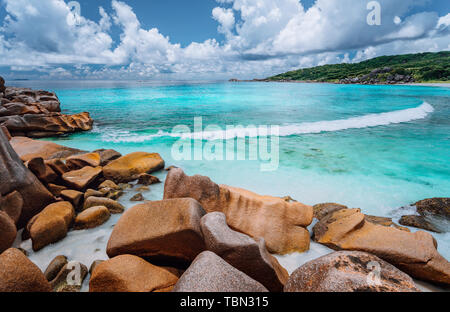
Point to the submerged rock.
(128, 168)
(128, 273)
(418, 222)
(349, 271)
(19, 274)
(413, 253)
(210, 273)
(147, 179)
(434, 206)
(280, 223)
(167, 230)
(243, 252)
(138, 197)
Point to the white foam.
(366, 121)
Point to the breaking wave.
(366, 121)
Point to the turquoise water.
(377, 148)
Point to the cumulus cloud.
(262, 37)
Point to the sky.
(207, 39)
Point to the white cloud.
(262, 37)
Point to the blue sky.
(207, 39)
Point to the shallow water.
(377, 148)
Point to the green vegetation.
(423, 67)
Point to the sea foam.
(360, 122)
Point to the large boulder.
(51, 225)
(28, 149)
(128, 168)
(210, 273)
(349, 271)
(167, 230)
(19, 274)
(419, 222)
(14, 176)
(82, 178)
(8, 231)
(128, 273)
(243, 252)
(413, 253)
(282, 224)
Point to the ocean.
(378, 148)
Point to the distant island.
(396, 69)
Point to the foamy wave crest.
(366, 121)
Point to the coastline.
(420, 84)
(379, 227)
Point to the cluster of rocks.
(48, 189)
(37, 113)
(375, 77)
(432, 214)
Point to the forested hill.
(423, 67)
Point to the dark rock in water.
(14, 176)
(8, 231)
(70, 278)
(210, 273)
(138, 197)
(147, 179)
(434, 206)
(19, 274)
(418, 222)
(349, 271)
(243, 252)
(55, 267)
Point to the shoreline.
(422, 84)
